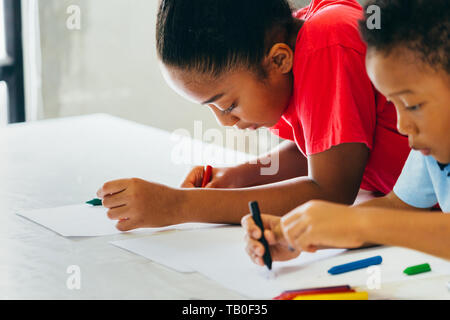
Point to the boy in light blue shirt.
(408, 61)
(424, 182)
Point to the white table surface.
(64, 161)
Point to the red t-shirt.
(333, 100)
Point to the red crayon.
(288, 295)
(207, 171)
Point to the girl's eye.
(414, 107)
(227, 111)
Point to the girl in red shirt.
(255, 64)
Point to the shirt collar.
(443, 166)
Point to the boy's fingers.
(291, 217)
(291, 232)
(270, 237)
(112, 187)
(303, 242)
(278, 232)
(250, 227)
(254, 247)
(118, 213)
(269, 221)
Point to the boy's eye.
(227, 111)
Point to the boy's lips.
(424, 151)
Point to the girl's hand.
(228, 177)
(137, 203)
(322, 224)
(278, 246)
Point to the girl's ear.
(280, 58)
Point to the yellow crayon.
(363, 295)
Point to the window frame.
(11, 71)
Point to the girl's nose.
(226, 120)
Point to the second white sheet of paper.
(219, 254)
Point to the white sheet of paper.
(74, 221)
(84, 220)
(167, 249)
(219, 254)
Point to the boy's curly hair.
(422, 26)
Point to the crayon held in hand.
(256, 214)
(207, 172)
(95, 202)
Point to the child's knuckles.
(110, 214)
(106, 186)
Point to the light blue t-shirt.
(424, 182)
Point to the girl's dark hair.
(214, 36)
(422, 26)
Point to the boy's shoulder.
(331, 22)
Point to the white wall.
(109, 65)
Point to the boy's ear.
(280, 58)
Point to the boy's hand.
(318, 224)
(278, 246)
(137, 203)
(220, 178)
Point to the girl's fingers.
(118, 213)
(112, 187)
(126, 225)
(115, 200)
(194, 178)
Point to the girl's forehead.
(194, 86)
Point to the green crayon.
(417, 269)
(95, 202)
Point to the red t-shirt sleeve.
(283, 130)
(336, 100)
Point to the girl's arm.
(288, 159)
(334, 175)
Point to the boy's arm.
(390, 201)
(334, 175)
(394, 227)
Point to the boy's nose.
(404, 124)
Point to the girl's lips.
(253, 127)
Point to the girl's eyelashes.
(227, 111)
(414, 107)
